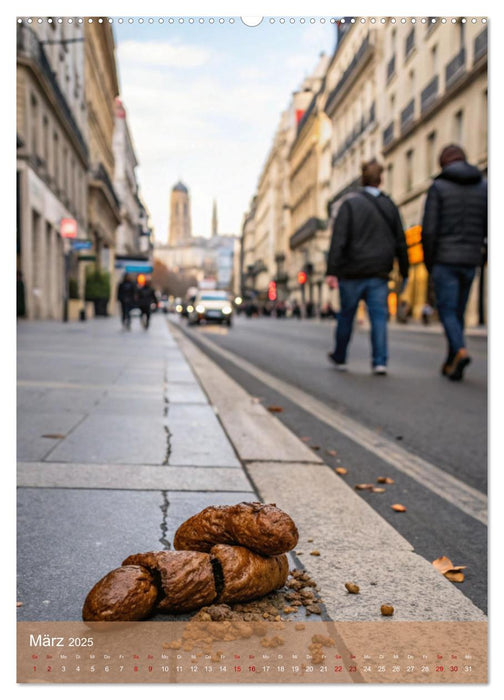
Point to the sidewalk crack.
(164, 525)
(168, 445)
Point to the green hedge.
(97, 284)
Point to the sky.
(203, 102)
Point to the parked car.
(211, 305)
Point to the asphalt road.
(443, 422)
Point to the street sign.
(78, 244)
(87, 258)
(68, 228)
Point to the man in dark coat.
(454, 231)
(367, 236)
(146, 297)
(126, 294)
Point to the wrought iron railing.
(407, 114)
(481, 44)
(388, 134)
(410, 42)
(455, 68)
(429, 94)
(391, 67)
(349, 70)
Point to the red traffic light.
(301, 277)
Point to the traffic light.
(141, 279)
(272, 291)
(301, 277)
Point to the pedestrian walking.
(367, 236)
(296, 310)
(146, 297)
(454, 231)
(126, 294)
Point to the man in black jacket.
(126, 294)
(454, 231)
(367, 236)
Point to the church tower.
(180, 215)
(215, 227)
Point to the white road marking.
(464, 497)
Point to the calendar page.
(251, 349)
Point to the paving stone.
(197, 438)
(133, 477)
(31, 446)
(125, 439)
(185, 393)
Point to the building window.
(458, 128)
(56, 168)
(484, 119)
(392, 106)
(412, 83)
(34, 125)
(45, 140)
(390, 178)
(409, 170)
(65, 172)
(431, 154)
(434, 60)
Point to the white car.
(211, 305)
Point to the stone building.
(309, 176)
(52, 156)
(400, 92)
(101, 88)
(433, 91)
(268, 224)
(180, 215)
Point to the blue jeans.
(452, 284)
(374, 291)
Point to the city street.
(124, 435)
(422, 414)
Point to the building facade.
(433, 93)
(101, 88)
(52, 158)
(267, 226)
(397, 91)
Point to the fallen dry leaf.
(454, 576)
(352, 587)
(364, 487)
(275, 409)
(376, 489)
(315, 447)
(387, 610)
(333, 453)
(54, 436)
(341, 470)
(451, 572)
(306, 439)
(315, 553)
(384, 480)
(19, 604)
(398, 507)
(310, 539)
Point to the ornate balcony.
(429, 94)
(391, 68)
(407, 115)
(455, 68)
(388, 134)
(481, 45)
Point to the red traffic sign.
(68, 228)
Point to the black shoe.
(456, 370)
(340, 366)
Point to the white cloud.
(163, 54)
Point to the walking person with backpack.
(454, 231)
(367, 237)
